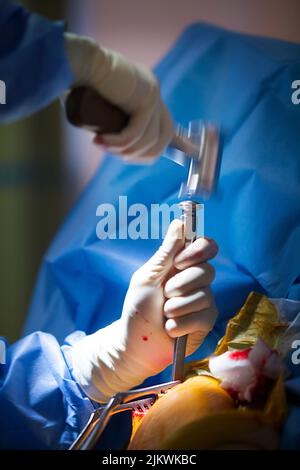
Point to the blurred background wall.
(31, 199)
(44, 163)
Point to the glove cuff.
(104, 365)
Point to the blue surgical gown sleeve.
(33, 65)
(41, 405)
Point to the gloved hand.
(168, 296)
(133, 88)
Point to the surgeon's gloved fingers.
(189, 280)
(199, 251)
(164, 137)
(133, 132)
(167, 132)
(193, 302)
(202, 321)
(146, 141)
(131, 87)
(162, 261)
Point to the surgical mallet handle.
(189, 218)
(86, 108)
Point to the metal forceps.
(136, 400)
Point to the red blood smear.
(236, 355)
(145, 338)
(138, 415)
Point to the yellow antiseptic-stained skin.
(232, 429)
(185, 403)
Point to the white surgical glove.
(133, 88)
(168, 296)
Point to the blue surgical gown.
(32, 61)
(243, 83)
(41, 405)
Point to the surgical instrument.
(120, 402)
(201, 180)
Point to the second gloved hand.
(168, 296)
(132, 88)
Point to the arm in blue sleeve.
(33, 65)
(41, 405)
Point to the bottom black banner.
(136, 459)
